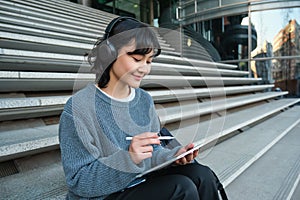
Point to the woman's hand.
(188, 158)
(141, 146)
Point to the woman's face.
(130, 69)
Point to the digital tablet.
(167, 163)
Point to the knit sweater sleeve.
(87, 175)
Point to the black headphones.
(106, 50)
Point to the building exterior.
(260, 36)
(287, 45)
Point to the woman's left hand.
(188, 158)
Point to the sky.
(269, 23)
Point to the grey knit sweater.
(92, 133)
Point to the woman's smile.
(138, 77)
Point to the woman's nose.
(144, 68)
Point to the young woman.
(98, 161)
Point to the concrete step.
(29, 141)
(39, 177)
(156, 81)
(176, 69)
(164, 96)
(23, 20)
(30, 10)
(245, 161)
(53, 81)
(13, 107)
(63, 12)
(173, 112)
(42, 43)
(25, 60)
(68, 9)
(19, 29)
(275, 175)
(54, 23)
(189, 61)
(296, 193)
(225, 124)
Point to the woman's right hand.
(141, 146)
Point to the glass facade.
(144, 10)
(278, 37)
(262, 37)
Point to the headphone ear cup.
(107, 53)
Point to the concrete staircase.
(249, 134)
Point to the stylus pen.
(160, 138)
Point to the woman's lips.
(138, 78)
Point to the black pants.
(184, 182)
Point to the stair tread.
(242, 151)
(273, 175)
(41, 183)
(230, 122)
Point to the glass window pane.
(278, 37)
(204, 5)
(286, 75)
(226, 2)
(279, 28)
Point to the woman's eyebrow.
(140, 54)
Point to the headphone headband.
(111, 25)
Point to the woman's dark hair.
(122, 33)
